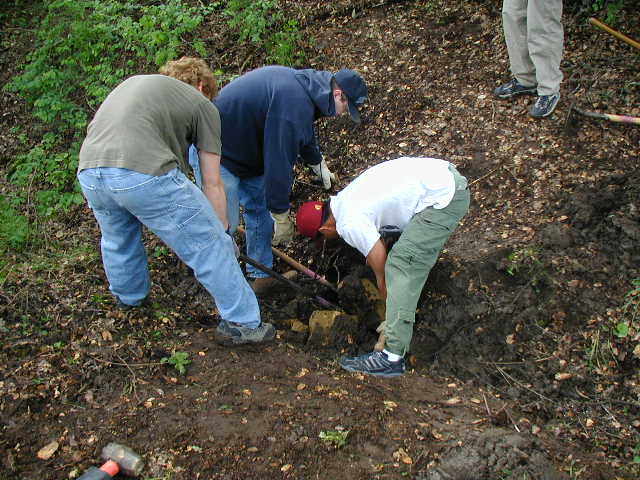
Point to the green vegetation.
(631, 307)
(84, 48)
(179, 361)
(611, 9)
(262, 23)
(335, 438)
(618, 337)
(527, 263)
(14, 228)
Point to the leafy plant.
(84, 49)
(14, 228)
(631, 307)
(611, 8)
(336, 438)
(179, 361)
(621, 330)
(252, 18)
(527, 262)
(618, 337)
(160, 251)
(55, 171)
(262, 23)
(282, 45)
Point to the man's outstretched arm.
(212, 184)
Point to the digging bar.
(298, 266)
(276, 275)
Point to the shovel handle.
(282, 278)
(615, 33)
(622, 118)
(298, 266)
(609, 116)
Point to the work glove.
(282, 228)
(324, 174)
(236, 250)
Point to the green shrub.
(611, 9)
(263, 24)
(54, 171)
(14, 228)
(179, 361)
(84, 49)
(528, 264)
(282, 47)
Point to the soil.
(515, 369)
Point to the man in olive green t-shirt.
(132, 172)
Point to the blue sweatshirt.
(267, 122)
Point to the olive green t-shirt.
(147, 123)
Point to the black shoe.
(374, 363)
(514, 88)
(126, 307)
(229, 333)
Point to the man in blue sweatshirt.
(267, 123)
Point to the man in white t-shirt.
(425, 199)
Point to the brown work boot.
(270, 285)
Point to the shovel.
(571, 124)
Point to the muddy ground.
(515, 369)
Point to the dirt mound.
(496, 454)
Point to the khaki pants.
(411, 260)
(534, 35)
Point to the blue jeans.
(178, 212)
(250, 193)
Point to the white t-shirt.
(390, 193)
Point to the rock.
(46, 452)
(332, 328)
(557, 235)
(299, 327)
(493, 452)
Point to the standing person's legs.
(181, 215)
(514, 24)
(258, 222)
(409, 264)
(123, 254)
(545, 36)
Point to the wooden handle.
(297, 265)
(615, 33)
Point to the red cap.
(309, 218)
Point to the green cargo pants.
(411, 260)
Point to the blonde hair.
(193, 71)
